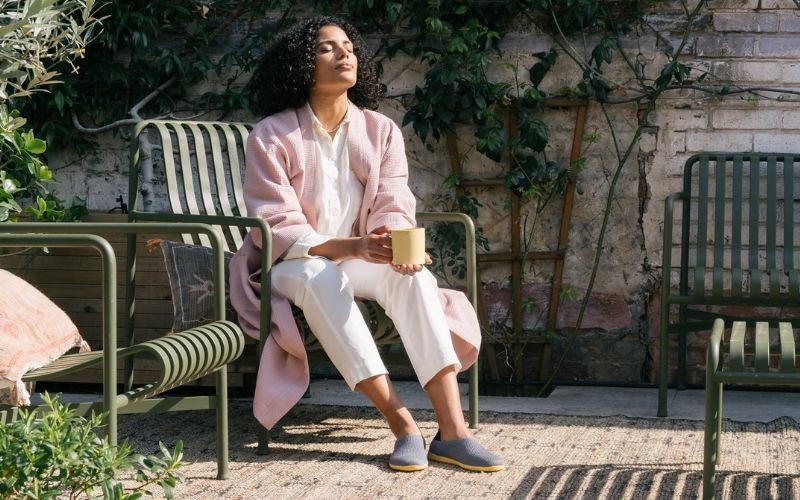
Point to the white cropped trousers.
(324, 290)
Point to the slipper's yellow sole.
(473, 468)
(408, 468)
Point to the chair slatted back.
(741, 222)
(202, 164)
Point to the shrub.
(54, 453)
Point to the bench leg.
(263, 440)
(663, 368)
(222, 423)
(711, 436)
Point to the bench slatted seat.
(180, 357)
(202, 164)
(748, 362)
(738, 248)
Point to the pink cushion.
(33, 332)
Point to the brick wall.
(742, 42)
(745, 46)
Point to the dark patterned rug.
(341, 452)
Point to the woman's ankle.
(452, 433)
(404, 430)
(402, 423)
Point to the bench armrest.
(33, 235)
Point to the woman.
(329, 175)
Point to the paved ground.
(739, 405)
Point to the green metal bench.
(747, 363)
(738, 248)
(202, 164)
(180, 357)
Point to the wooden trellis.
(515, 255)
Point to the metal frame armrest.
(228, 220)
(64, 234)
(666, 282)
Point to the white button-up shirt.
(337, 193)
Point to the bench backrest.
(201, 165)
(743, 214)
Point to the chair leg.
(473, 396)
(263, 440)
(663, 369)
(719, 424)
(711, 437)
(222, 423)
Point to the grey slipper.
(408, 454)
(467, 453)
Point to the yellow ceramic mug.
(408, 246)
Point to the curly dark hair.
(285, 74)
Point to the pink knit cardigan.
(279, 187)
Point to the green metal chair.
(737, 247)
(747, 363)
(181, 357)
(202, 164)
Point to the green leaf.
(58, 98)
(10, 186)
(36, 146)
(393, 10)
(108, 488)
(540, 69)
(534, 134)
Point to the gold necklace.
(335, 127)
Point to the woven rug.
(340, 452)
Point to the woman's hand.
(375, 248)
(411, 269)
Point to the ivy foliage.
(158, 48)
(460, 42)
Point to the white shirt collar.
(318, 124)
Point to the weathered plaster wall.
(746, 42)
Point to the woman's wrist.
(336, 249)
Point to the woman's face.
(335, 65)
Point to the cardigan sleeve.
(270, 195)
(394, 204)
